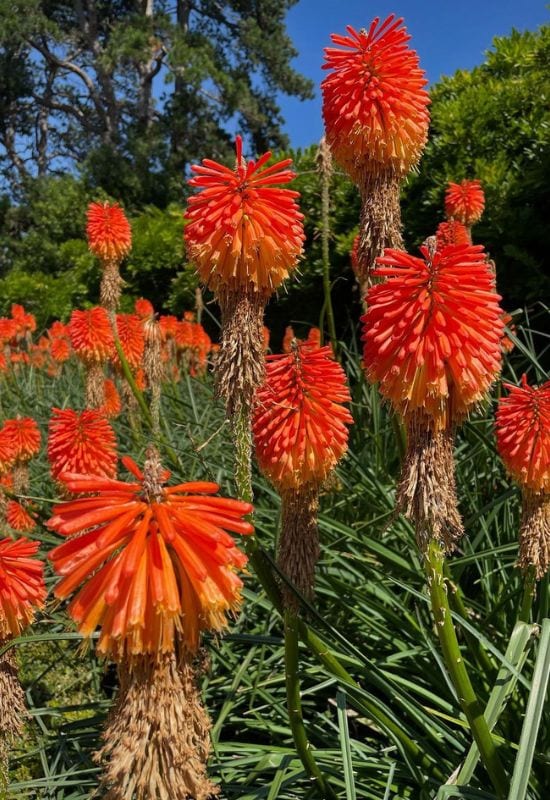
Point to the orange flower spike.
(22, 588)
(91, 335)
(19, 518)
(144, 308)
(108, 231)
(243, 230)
(465, 202)
(300, 422)
(138, 550)
(81, 443)
(523, 434)
(7, 452)
(24, 435)
(132, 340)
(375, 106)
(112, 406)
(432, 331)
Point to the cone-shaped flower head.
(82, 443)
(22, 587)
(300, 420)
(19, 518)
(147, 560)
(108, 231)
(523, 434)
(130, 334)
(464, 201)
(451, 232)
(112, 406)
(375, 106)
(432, 331)
(91, 335)
(244, 231)
(24, 435)
(7, 452)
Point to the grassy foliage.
(371, 608)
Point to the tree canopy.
(127, 93)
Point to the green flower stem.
(457, 669)
(144, 408)
(294, 705)
(529, 590)
(242, 439)
(4, 769)
(325, 172)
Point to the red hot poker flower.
(523, 434)
(22, 588)
(24, 435)
(465, 201)
(374, 100)
(147, 560)
(300, 419)
(451, 232)
(81, 442)
(19, 518)
(243, 230)
(108, 231)
(91, 335)
(432, 331)
(132, 340)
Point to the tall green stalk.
(456, 667)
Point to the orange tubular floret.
(242, 232)
(523, 434)
(374, 100)
(22, 588)
(432, 331)
(23, 437)
(299, 420)
(108, 231)
(91, 335)
(147, 567)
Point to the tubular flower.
(432, 342)
(112, 406)
(299, 419)
(465, 202)
(81, 443)
(523, 440)
(506, 343)
(22, 588)
(130, 334)
(19, 518)
(300, 433)
(523, 434)
(375, 106)
(148, 561)
(243, 233)
(7, 452)
(432, 331)
(91, 335)
(23, 435)
(24, 322)
(144, 308)
(451, 232)
(108, 231)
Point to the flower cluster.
(22, 588)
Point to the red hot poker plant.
(151, 565)
(110, 239)
(432, 342)
(523, 440)
(465, 202)
(300, 432)
(375, 108)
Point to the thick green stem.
(529, 589)
(242, 439)
(457, 669)
(4, 769)
(294, 705)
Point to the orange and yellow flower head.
(147, 561)
(465, 201)
(108, 231)
(300, 418)
(91, 335)
(22, 588)
(244, 230)
(81, 442)
(451, 232)
(375, 105)
(23, 436)
(432, 332)
(523, 434)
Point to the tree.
(493, 123)
(131, 91)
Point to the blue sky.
(448, 35)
